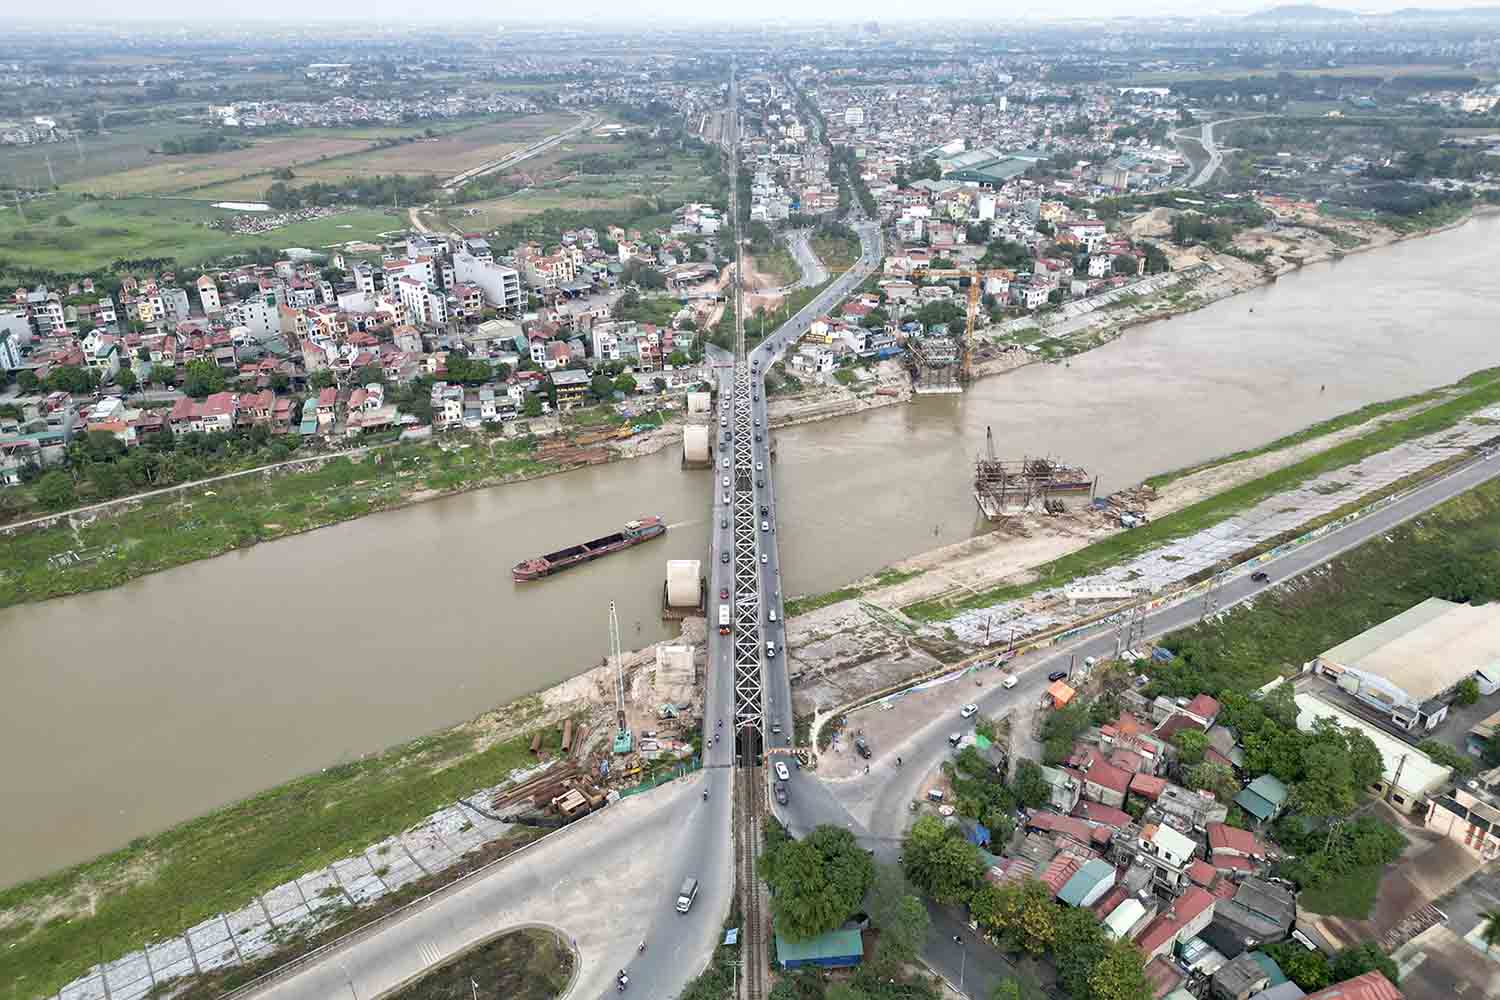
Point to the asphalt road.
(876, 806)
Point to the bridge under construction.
(1006, 487)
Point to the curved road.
(875, 806)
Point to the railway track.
(751, 792)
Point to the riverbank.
(137, 537)
(54, 927)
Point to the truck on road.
(723, 619)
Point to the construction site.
(1004, 488)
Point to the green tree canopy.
(203, 378)
(940, 862)
(1361, 958)
(817, 882)
(54, 490)
(898, 914)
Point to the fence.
(677, 771)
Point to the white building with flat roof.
(1408, 775)
(1408, 665)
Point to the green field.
(531, 964)
(73, 234)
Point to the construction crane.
(622, 732)
(975, 279)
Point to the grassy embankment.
(531, 964)
(55, 928)
(836, 253)
(1474, 392)
(812, 602)
(162, 532)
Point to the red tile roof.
(1367, 986)
(1053, 823)
(1062, 868)
(1204, 707)
(1162, 977)
(1129, 761)
(1095, 812)
(1167, 926)
(1223, 837)
(1202, 872)
(328, 396)
(1231, 863)
(1147, 787)
(1111, 899)
(1176, 724)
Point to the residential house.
(1263, 798)
(572, 387)
(1184, 918)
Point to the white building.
(208, 295)
(501, 285)
(422, 305)
(854, 115)
(260, 317)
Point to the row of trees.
(383, 189)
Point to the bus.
(723, 619)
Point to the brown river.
(128, 710)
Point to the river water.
(127, 710)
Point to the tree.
(27, 381)
(817, 882)
(54, 491)
(370, 374)
(1361, 958)
(1120, 975)
(677, 359)
(125, 379)
(1491, 933)
(1030, 786)
(1213, 777)
(1308, 969)
(1467, 692)
(940, 862)
(163, 374)
(844, 991)
(898, 914)
(1191, 746)
(532, 407)
(1081, 945)
(203, 378)
(321, 379)
(1124, 263)
(602, 386)
(625, 383)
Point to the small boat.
(634, 532)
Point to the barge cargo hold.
(634, 533)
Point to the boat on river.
(634, 533)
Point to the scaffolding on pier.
(1006, 487)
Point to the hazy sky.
(645, 11)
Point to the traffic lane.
(1032, 669)
(955, 953)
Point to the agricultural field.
(93, 156)
(552, 182)
(72, 234)
(445, 154)
(178, 174)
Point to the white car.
(726, 497)
(726, 482)
(760, 467)
(765, 526)
(968, 710)
(764, 558)
(781, 771)
(1010, 681)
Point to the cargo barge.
(634, 533)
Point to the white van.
(770, 650)
(687, 894)
(1011, 680)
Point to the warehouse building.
(1409, 665)
(1409, 776)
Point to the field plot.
(444, 155)
(176, 174)
(552, 181)
(92, 156)
(72, 234)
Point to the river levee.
(127, 710)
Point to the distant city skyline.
(605, 14)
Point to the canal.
(131, 709)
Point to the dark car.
(760, 484)
(861, 747)
(781, 792)
(1259, 577)
(1058, 675)
(724, 557)
(764, 510)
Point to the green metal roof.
(834, 944)
(1270, 788)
